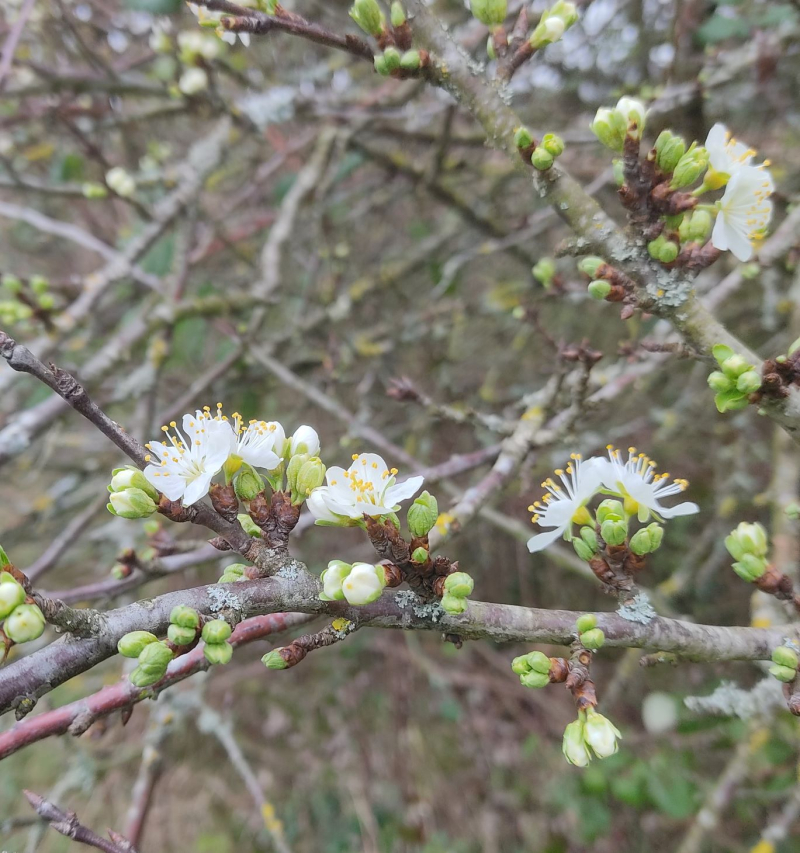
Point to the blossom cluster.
(634, 480)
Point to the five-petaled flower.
(744, 211)
(726, 155)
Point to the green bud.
(719, 382)
(539, 662)
(669, 150)
(610, 128)
(541, 159)
(550, 29)
(582, 549)
(453, 604)
(4, 561)
(92, 190)
(46, 301)
(216, 631)
(689, 168)
(131, 478)
(654, 246)
(634, 114)
(392, 57)
(721, 353)
(589, 537)
(614, 532)
(490, 51)
(749, 382)
(381, 66)
(459, 584)
(181, 636)
(491, 13)
(534, 679)
(233, 573)
(155, 656)
(248, 483)
(700, 226)
(668, 252)
(784, 656)
(640, 542)
(747, 538)
(368, 16)
(656, 533)
(25, 624)
(593, 639)
(332, 580)
(544, 271)
(186, 617)
(610, 510)
(39, 284)
(523, 138)
(794, 347)
(618, 171)
(131, 503)
(599, 289)
(398, 14)
(590, 265)
(141, 677)
(520, 665)
(273, 660)
(411, 60)
(793, 511)
(132, 644)
(420, 555)
(735, 366)
(553, 144)
(750, 568)
(310, 475)
(248, 525)
(229, 577)
(218, 654)
(12, 283)
(422, 514)
(585, 623)
(12, 595)
(786, 674)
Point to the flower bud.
(586, 623)
(523, 138)
(453, 605)
(749, 382)
(549, 30)
(248, 483)
(490, 51)
(235, 571)
(589, 536)
(747, 538)
(610, 510)
(310, 476)
(154, 659)
(131, 503)
(181, 636)
(541, 159)
(600, 734)
(750, 568)
(410, 60)
(491, 13)
(544, 271)
(422, 514)
(582, 549)
(574, 746)
(640, 542)
(364, 584)
(12, 595)
(735, 366)
(304, 440)
(4, 561)
(534, 679)
(132, 644)
(784, 656)
(368, 16)
(392, 58)
(700, 225)
(599, 289)
(218, 654)
(590, 265)
(719, 382)
(398, 14)
(538, 662)
(610, 128)
(654, 246)
(614, 532)
(420, 555)
(520, 665)
(332, 579)
(25, 624)
(634, 114)
(141, 677)
(594, 639)
(787, 674)
(669, 150)
(668, 252)
(186, 617)
(553, 144)
(216, 631)
(131, 478)
(689, 168)
(273, 660)
(459, 584)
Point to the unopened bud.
(491, 13)
(654, 246)
(719, 382)
(590, 265)
(92, 190)
(589, 536)
(610, 128)
(420, 555)
(669, 150)
(131, 478)
(273, 660)
(398, 14)
(748, 382)
(459, 584)
(422, 514)
(784, 656)
(216, 631)
(574, 745)
(25, 624)
(367, 15)
(218, 654)
(593, 639)
(411, 60)
(747, 538)
(523, 138)
(600, 734)
(614, 532)
(544, 271)
(11, 594)
(490, 51)
(453, 604)
(582, 549)
(131, 503)
(610, 510)
(120, 181)
(181, 636)
(248, 525)
(750, 568)
(735, 366)
(599, 289)
(132, 644)
(640, 542)
(786, 674)
(585, 623)
(392, 57)
(668, 252)
(381, 66)
(332, 579)
(633, 113)
(248, 483)
(541, 159)
(141, 677)
(154, 659)
(553, 144)
(689, 168)
(700, 224)
(310, 475)
(534, 679)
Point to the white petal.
(686, 508)
(166, 482)
(198, 488)
(541, 540)
(403, 491)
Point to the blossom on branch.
(744, 211)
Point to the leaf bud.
(398, 14)
(273, 660)
(420, 555)
(248, 525)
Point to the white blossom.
(304, 440)
(192, 81)
(726, 155)
(563, 505)
(260, 443)
(121, 182)
(600, 734)
(744, 211)
(636, 481)
(364, 584)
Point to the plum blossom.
(726, 155)
(744, 211)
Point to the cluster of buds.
(589, 635)
(748, 545)
(552, 25)
(608, 283)
(541, 156)
(22, 620)
(612, 125)
(121, 182)
(26, 300)
(533, 669)
(304, 473)
(358, 584)
(132, 496)
(392, 60)
(590, 733)
(215, 635)
(397, 58)
(184, 625)
(153, 656)
(734, 382)
(457, 588)
(785, 663)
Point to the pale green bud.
(310, 475)
(750, 568)
(248, 483)
(459, 584)
(398, 14)
(453, 604)
(218, 654)
(420, 555)
(747, 538)
(381, 66)
(216, 631)
(618, 171)
(568, 12)
(656, 533)
(582, 549)
(585, 623)
(793, 511)
(410, 60)
(784, 656)
(520, 665)
(548, 31)
(523, 138)
(332, 579)
(181, 636)
(422, 514)
(544, 271)
(131, 503)
(614, 532)
(609, 127)
(12, 283)
(654, 246)
(25, 624)
(748, 382)
(689, 168)
(719, 382)
(786, 674)
(610, 510)
(392, 57)
(731, 401)
(132, 644)
(589, 536)
(141, 677)
(669, 150)
(640, 542)
(599, 289)
(491, 13)
(236, 570)
(368, 16)
(593, 639)
(273, 660)
(154, 659)
(490, 51)
(541, 159)
(12, 595)
(39, 284)
(534, 679)
(634, 114)
(590, 265)
(794, 347)
(553, 144)
(186, 617)
(668, 252)
(46, 301)
(735, 366)
(700, 225)
(600, 734)
(131, 478)
(574, 746)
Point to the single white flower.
(121, 182)
(367, 487)
(744, 211)
(191, 458)
(600, 734)
(564, 505)
(726, 155)
(192, 81)
(636, 481)
(364, 584)
(304, 440)
(574, 745)
(259, 444)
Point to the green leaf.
(718, 28)
(721, 353)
